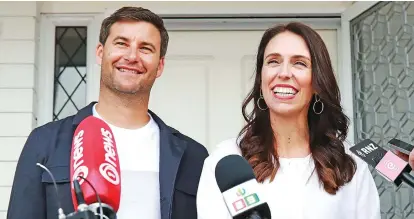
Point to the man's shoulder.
(191, 163)
(53, 126)
(193, 146)
(42, 138)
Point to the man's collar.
(83, 113)
(88, 111)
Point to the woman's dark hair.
(327, 131)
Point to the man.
(160, 167)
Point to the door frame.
(46, 53)
(345, 64)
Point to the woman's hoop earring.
(318, 100)
(258, 102)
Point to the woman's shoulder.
(364, 187)
(363, 173)
(223, 149)
(360, 163)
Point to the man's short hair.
(135, 14)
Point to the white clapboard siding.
(18, 24)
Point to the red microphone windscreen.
(94, 156)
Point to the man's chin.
(126, 89)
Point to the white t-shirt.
(138, 151)
(294, 193)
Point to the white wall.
(18, 45)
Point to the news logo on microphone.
(241, 192)
(94, 156)
(79, 168)
(386, 163)
(368, 151)
(242, 197)
(390, 165)
(108, 168)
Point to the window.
(70, 71)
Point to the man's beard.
(139, 88)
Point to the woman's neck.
(291, 135)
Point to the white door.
(206, 77)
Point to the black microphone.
(401, 146)
(83, 210)
(240, 190)
(386, 163)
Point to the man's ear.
(99, 53)
(160, 67)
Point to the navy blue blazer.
(33, 195)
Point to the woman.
(294, 137)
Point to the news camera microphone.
(100, 166)
(240, 190)
(94, 159)
(386, 163)
(82, 213)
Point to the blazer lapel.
(82, 114)
(171, 153)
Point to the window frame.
(46, 53)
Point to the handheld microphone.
(240, 190)
(83, 212)
(386, 163)
(401, 146)
(94, 159)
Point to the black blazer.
(33, 195)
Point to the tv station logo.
(244, 200)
